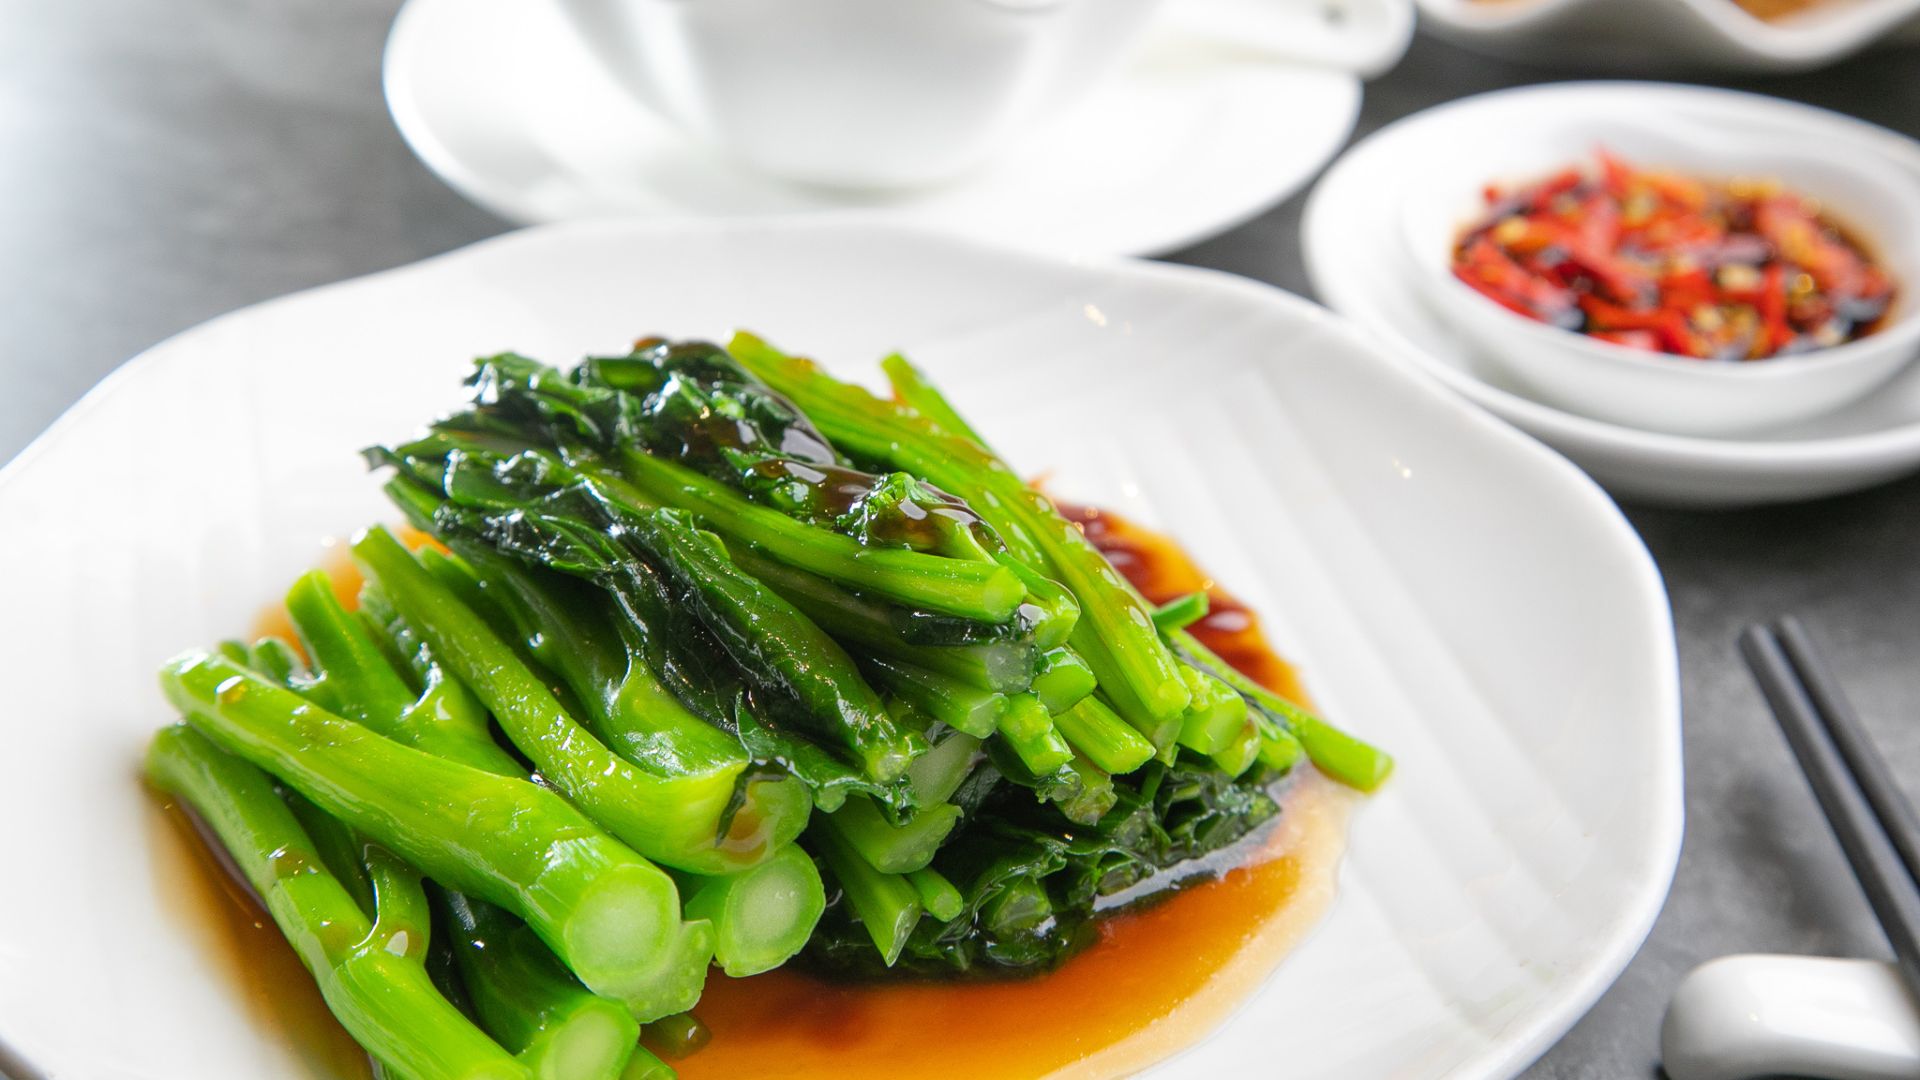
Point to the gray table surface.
(168, 161)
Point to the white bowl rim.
(1904, 329)
(1901, 330)
(1811, 36)
(1891, 444)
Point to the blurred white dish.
(1750, 1016)
(1637, 387)
(880, 94)
(1416, 558)
(1356, 259)
(1184, 141)
(1669, 35)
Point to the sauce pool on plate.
(1157, 979)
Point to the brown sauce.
(1155, 982)
(233, 933)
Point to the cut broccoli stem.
(886, 904)
(1098, 732)
(1029, 732)
(644, 1066)
(1087, 800)
(528, 1001)
(937, 895)
(1241, 751)
(891, 848)
(1021, 905)
(938, 773)
(1332, 751)
(954, 702)
(385, 1001)
(611, 915)
(1062, 680)
(675, 820)
(1216, 715)
(761, 916)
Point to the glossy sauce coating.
(1156, 981)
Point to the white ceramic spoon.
(1753, 1015)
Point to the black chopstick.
(1818, 724)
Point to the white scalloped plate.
(1450, 588)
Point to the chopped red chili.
(1655, 260)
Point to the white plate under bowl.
(1667, 35)
(1184, 142)
(1356, 258)
(1451, 590)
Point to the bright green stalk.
(341, 852)
(674, 821)
(1050, 606)
(1332, 751)
(954, 702)
(937, 895)
(1279, 750)
(275, 659)
(1059, 609)
(1241, 751)
(1062, 680)
(530, 1002)
(1029, 732)
(1091, 797)
(353, 677)
(1004, 666)
(1022, 904)
(772, 639)
(938, 773)
(1114, 632)
(1026, 717)
(886, 904)
(890, 848)
(357, 680)
(1216, 716)
(1178, 614)
(761, 916)
(384, 1000)
(611, 915)
(968, 588)
(644, 1066)
(1100, 734)
(575, 636)
(918, 393)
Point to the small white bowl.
(1657, 391)
(1669, 35)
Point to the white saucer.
(1355, 259)
(1185, 142)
